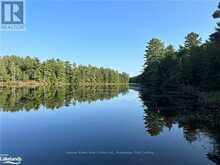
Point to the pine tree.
(3, 72)
(192, 40)
(215, 37)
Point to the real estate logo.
(7, 159)
(12, 15)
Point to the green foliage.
(3, 72)
(154, 51)
(192, 40)
(216, 14)
(195, 64)
(215, 37)
(14, 68)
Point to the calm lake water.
(101, 125)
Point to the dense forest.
(24, 69)
(183, 87)
(195, 65)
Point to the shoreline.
(40, 84)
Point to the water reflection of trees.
(163, 110)
(17, 99)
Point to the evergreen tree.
(195, 65)
(192, 40)
(215, 37)
(3, 72)
(55, 71)
(154, 51)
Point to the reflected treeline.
(189, 111)
(53, 97)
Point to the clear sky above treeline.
(106, 33)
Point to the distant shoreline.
(41, 83)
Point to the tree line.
(14, 68)
(195, 64)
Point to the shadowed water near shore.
(199, 120)
(107, 124)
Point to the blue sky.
(106, 33)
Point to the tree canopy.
(15, 68)
(194, 64)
